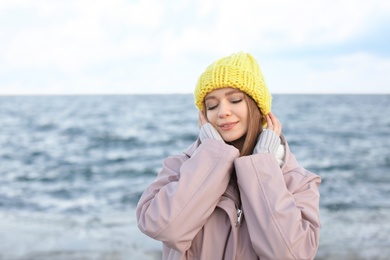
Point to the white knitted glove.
(268, 142)
(208, 131)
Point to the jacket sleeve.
(177, 204)
(281, 209)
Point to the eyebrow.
(233, 91)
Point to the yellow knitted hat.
(239, 70)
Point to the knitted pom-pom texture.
(240, 71)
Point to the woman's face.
(227, 111)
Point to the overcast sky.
(162, 46)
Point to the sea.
(72, 169)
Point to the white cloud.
(150, 45)
(356, 73)
(92, 32)
(275, 24)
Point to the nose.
(224, 110)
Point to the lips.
(227, 126)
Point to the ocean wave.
(85, 154)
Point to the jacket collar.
(191, 149)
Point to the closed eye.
(236, 101)
(212, 107)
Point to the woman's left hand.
(274, 124)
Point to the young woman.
(237, 192)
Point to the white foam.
(47, 236)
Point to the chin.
(233, 138)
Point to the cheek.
(211, 117)
(208, 116)
(244, 113)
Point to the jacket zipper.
(239, 211)
(239, 217)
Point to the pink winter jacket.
(192, 208)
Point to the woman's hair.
(255, 123)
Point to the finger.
(269, 122)
(273, 117)
(199, 119)
(202, 119)
(276, 124)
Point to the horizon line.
(186, 93)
